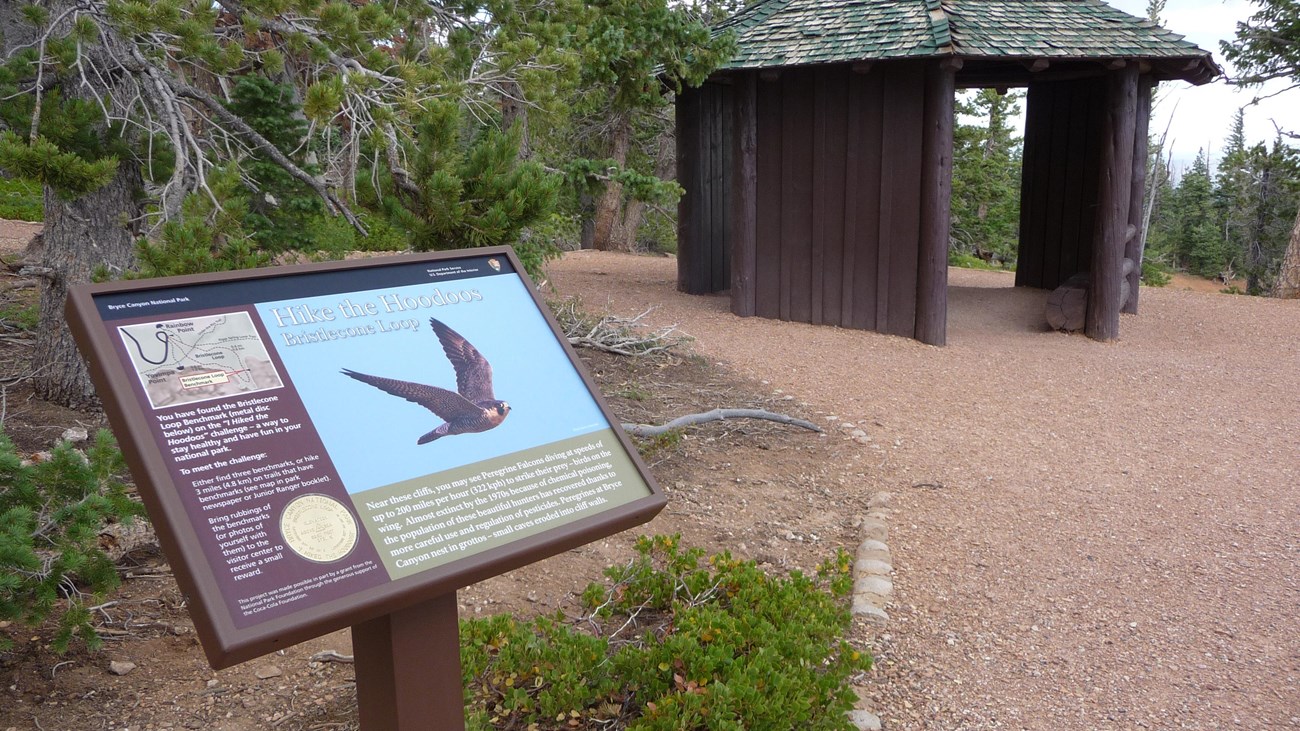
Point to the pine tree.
(630, 50)
(51, 514)
(1275, 195)
(1266, 47)
(279, 209)
(460, 194)
(1234, 199)
(1199, 246)
(986, 177)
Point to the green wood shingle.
(776, 33)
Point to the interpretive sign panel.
(320, 445)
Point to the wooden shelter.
(817, 162)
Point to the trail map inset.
(199, 358)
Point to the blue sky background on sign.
(371, 435)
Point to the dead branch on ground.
(614, 334)
(649, 430)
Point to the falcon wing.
(440, 401)
(473, 373)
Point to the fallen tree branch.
(650, 430)
(613, 334)
(119, 539)
(332, 656)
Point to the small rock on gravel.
(76, 434)
(266, 672)
(120, 667)
(865, 720)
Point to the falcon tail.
(438, 433)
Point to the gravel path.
(1089, 536)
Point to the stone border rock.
(872, 586)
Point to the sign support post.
(408, 668)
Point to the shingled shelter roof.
(780, 33)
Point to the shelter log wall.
(824, 218)
(704, 122)
(1064, 127)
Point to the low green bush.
(1155, 274)
(673, 642)
(51, 514)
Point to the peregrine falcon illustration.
(473, 409)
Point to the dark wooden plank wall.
(1064, 127)
(798, 125)
(767, 167)
(704, 127)
(837, 204)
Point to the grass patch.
(667, 441)
(19, 316)
(21, 200)
(633, 392)
(970, 261)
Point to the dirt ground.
(1088, 536)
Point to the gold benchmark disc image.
(318, 528)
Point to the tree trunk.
(610, 203)
(81, 235)
(1255, 244)
(1287, 285)
(634, 210)
(515, 112)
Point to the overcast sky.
(1201, 115)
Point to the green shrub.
(21, 200)
(1155, 274)
(332, 237)
(658, 233)
(676, 643)
(51, 514)
(206, 237)
(970, 261)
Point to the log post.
(1113, 205)
(744, 193)
(936, 200)
(1137, 192)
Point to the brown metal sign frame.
(134, 419)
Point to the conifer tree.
(51, 514)
(1267, 47)
(986, 176)
(464, 194)
(124, 108)
(1199, 245)
(633, 51)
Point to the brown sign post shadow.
(347, 444)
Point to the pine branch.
(260, 143)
